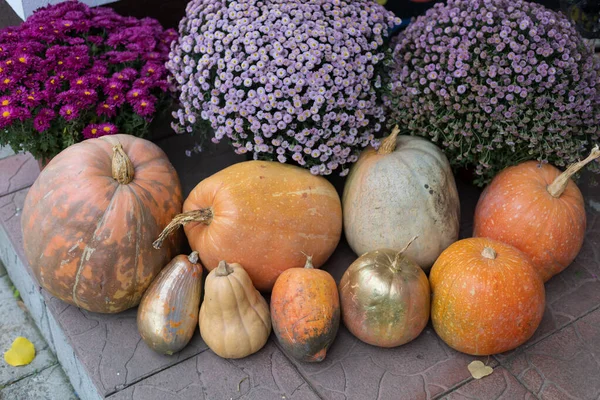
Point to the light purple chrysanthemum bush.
(293, 81)
(495, 82)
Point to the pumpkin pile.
(93, 233)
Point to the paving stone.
(421, 369)
(265, 375)
(17, 172)
(16, 322)
(49, 384)
(564, 365)
(500, 385)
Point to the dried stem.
(193, 257)
(488, 252)
(223, 269)
(122, 167)
(399, 254)
(388, 145)
(559, 185)
(203, 216)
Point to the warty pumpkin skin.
(87, 236)
(305, 310)
(234, 318)
(263, 215)
(385, 298)
(537, 209)
(486, 297)
(405, 188)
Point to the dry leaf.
(478, 369)
(20, 353)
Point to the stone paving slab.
(50, 384)
(265, 375)
(16, 322)
(564, 365)
(17, 172)
(500, 385)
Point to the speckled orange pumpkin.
(263, 215)
(91, 216)
(537, 209)
(305, 311)
(486, 297)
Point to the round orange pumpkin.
(537, 209)
(91, 216)
(263, 215)
(486, 297)
(305, 311)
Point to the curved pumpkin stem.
(388, 145)
(122, 167)
(223, 269)
(204, 216)
(401, 252)
(558, 186)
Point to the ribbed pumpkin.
(90, 217)
(486, 297)
(385, 298)
(404, 189)
(305, 310)
(234, 318)
(537, 209)
(263, 215)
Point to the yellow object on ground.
(22, 352)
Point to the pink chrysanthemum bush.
(293, 81)
(71, 72)
(496, 82)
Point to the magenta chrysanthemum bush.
(293, 81)
(495, 82)
(71, 72)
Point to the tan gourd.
(234, 317)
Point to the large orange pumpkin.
(263, 215)
(537, 209)
(91, 216)
(486, 297)
(305, 311)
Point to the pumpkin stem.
(399, 254)
(223, 269)
(558, 186)
(308, 263)
(204, 216)
(488, 252)
(122, 167)
(388, 145)
(193, 257)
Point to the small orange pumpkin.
(486, 297)
(305, 311)
(537, 209)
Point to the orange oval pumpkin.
(486, 297)
(90, 217)
(305, 311)
(263, 215)
(537, 209)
